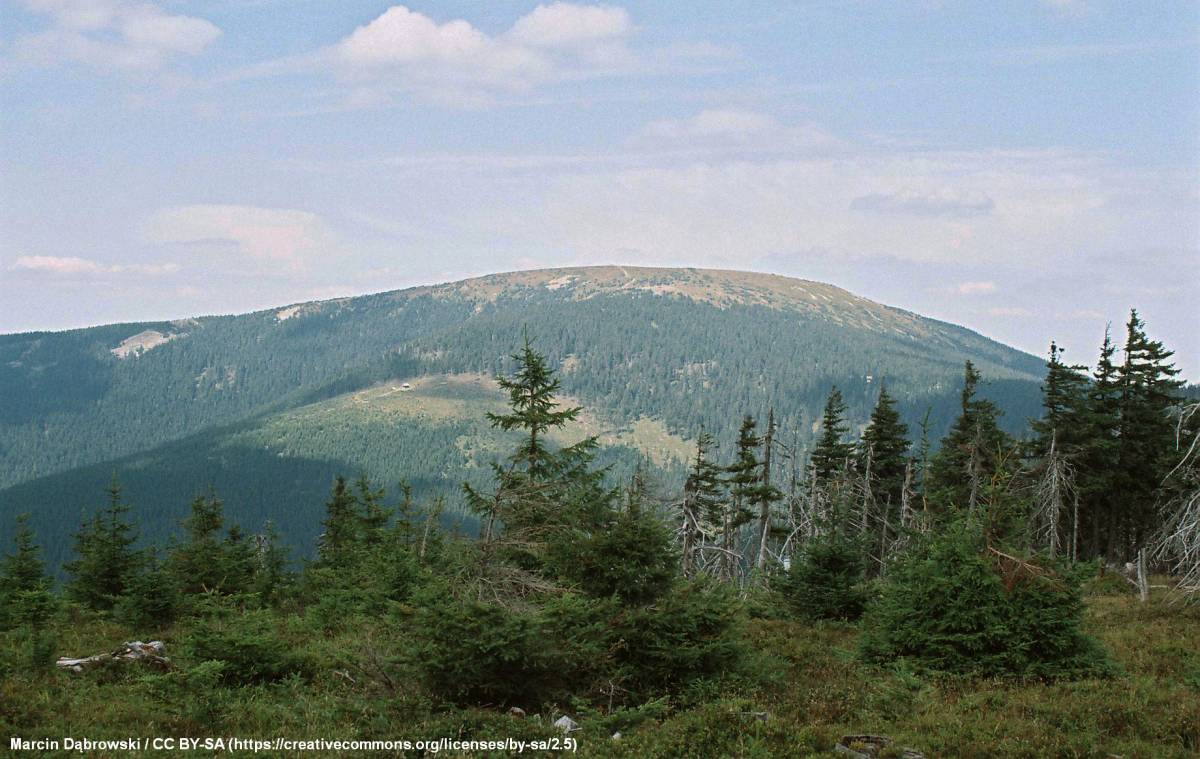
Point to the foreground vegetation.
(804, 676)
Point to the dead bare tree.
(1178, 542)
(764, 516)
(910, 520)
(1053, 490)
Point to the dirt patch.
(136, 345)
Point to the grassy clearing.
(459, 400)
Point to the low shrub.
(478, 653)
(951, 605)
(248, 643)
(825, 580)
(692, 633)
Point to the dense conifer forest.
(977, 593)
(268, 407)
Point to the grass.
(805, 690)
(1152, 709)
(460, 400)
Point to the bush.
(1107, 582)
(825, 581)
(634, 559)
(692, 633)
(477, 653)
(150, 600)
(368, 585)
(573, 646)
(247, 643)
(39, 646)
(950, 606)
(29, 608)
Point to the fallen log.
(151, 653)
(871, 746)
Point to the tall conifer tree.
(702, 506)
(883, 460)
(105, 560)
(886, 440)
(22, 570)
(1146, 435)
(744, 478)
(1096, 462)
(534, 410)
(343, 525)
(831, 451)
(1064, 408)
(970, 450)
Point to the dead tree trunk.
(1143, 582)
(150, 653)
(764, 514)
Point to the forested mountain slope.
(678, 349)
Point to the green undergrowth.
(803, 687)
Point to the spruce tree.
(1146, 435)
(702, 505)
(105, 560)
(743, 476)
(375, 516)
(633, 558)
(239, 560)
(1096, 461)
(22, 569)
(1064, 408)
(545, 503)
(885, 440)
(970, 451)
(151, 600)
(831, 451)
(534, 410)
(764, 497)
(271, 577)
(205, 561)
(1059, 436)
(883, 463)
(342, 526)
(23, 583)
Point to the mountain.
(267, 406)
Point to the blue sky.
(1027, 169)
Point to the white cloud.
(403, 51)
(58, 265)
(72, 265)
(453, 61)
(404, 36)
(975, 288)
(112, 34)
(568, 25)
(278, 235)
